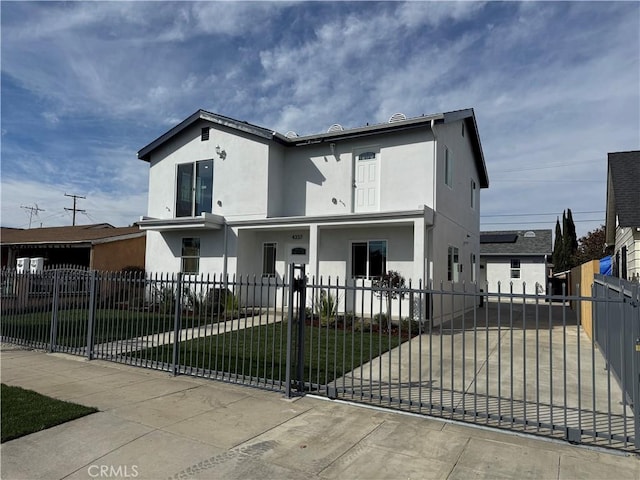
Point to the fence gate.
(509, 360)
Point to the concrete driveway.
(508, 365)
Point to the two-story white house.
(228, 197)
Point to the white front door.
(366, 182)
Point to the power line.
(553, 165)
(74, 209)
(548, 222)
(536, 214)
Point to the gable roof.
(466, 115)
(623, 191)
(65, 235)
(516, 242)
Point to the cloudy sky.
(555, 86)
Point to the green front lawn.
(110, 325)
(261, 352)
(25, 412)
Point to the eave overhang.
(206, 221)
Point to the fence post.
(93, 298)
(289, 333)
(634, 309)
(301, 287)
(176, 326)
(54, 311)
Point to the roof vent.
(397, 117)
(336, 127)
(529, 234)
(291, 134)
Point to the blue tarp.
(606, 267)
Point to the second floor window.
(448, 168)
(194, 188)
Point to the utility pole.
(35, 209)
(75, 197)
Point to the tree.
(591, 246)
(570, 241)
(566, 243)
(390, 283)
(556, 258)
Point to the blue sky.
(555, 87)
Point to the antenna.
(75, 197)
(35, 209)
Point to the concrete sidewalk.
(152, 425)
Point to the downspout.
(429, 232)
(435, 161)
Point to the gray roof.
(516, 243)
(623, 191)
(466, 115)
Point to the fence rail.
(509, 360)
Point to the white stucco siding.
(239, 179)
(164, 250)
(313, 177)
(275, 183)
(318, 181)
(455, 202)
(498, 271)
(334, 249)
(406, 171)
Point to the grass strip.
(26, 411)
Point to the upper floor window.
(367, 156)
(369, 259)
(194, 188)
(269, 260)
(448, 167)
(473, 193)
(453, 264)
(204, 134)
(190, 255)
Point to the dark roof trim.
(145, 152)
(466, 115)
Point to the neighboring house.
(100, 246)
(517, 257)
(622, 227)
(228, 197)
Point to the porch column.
(313, 251)
(419, 250)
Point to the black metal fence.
(617, 331)
(509, 360)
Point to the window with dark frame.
(368, 259)
(190, 259)
(204, 134)
(453, 264)
(194, 185)
(473, 194)
(269, 259)
(448, 168)
(515, 268)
